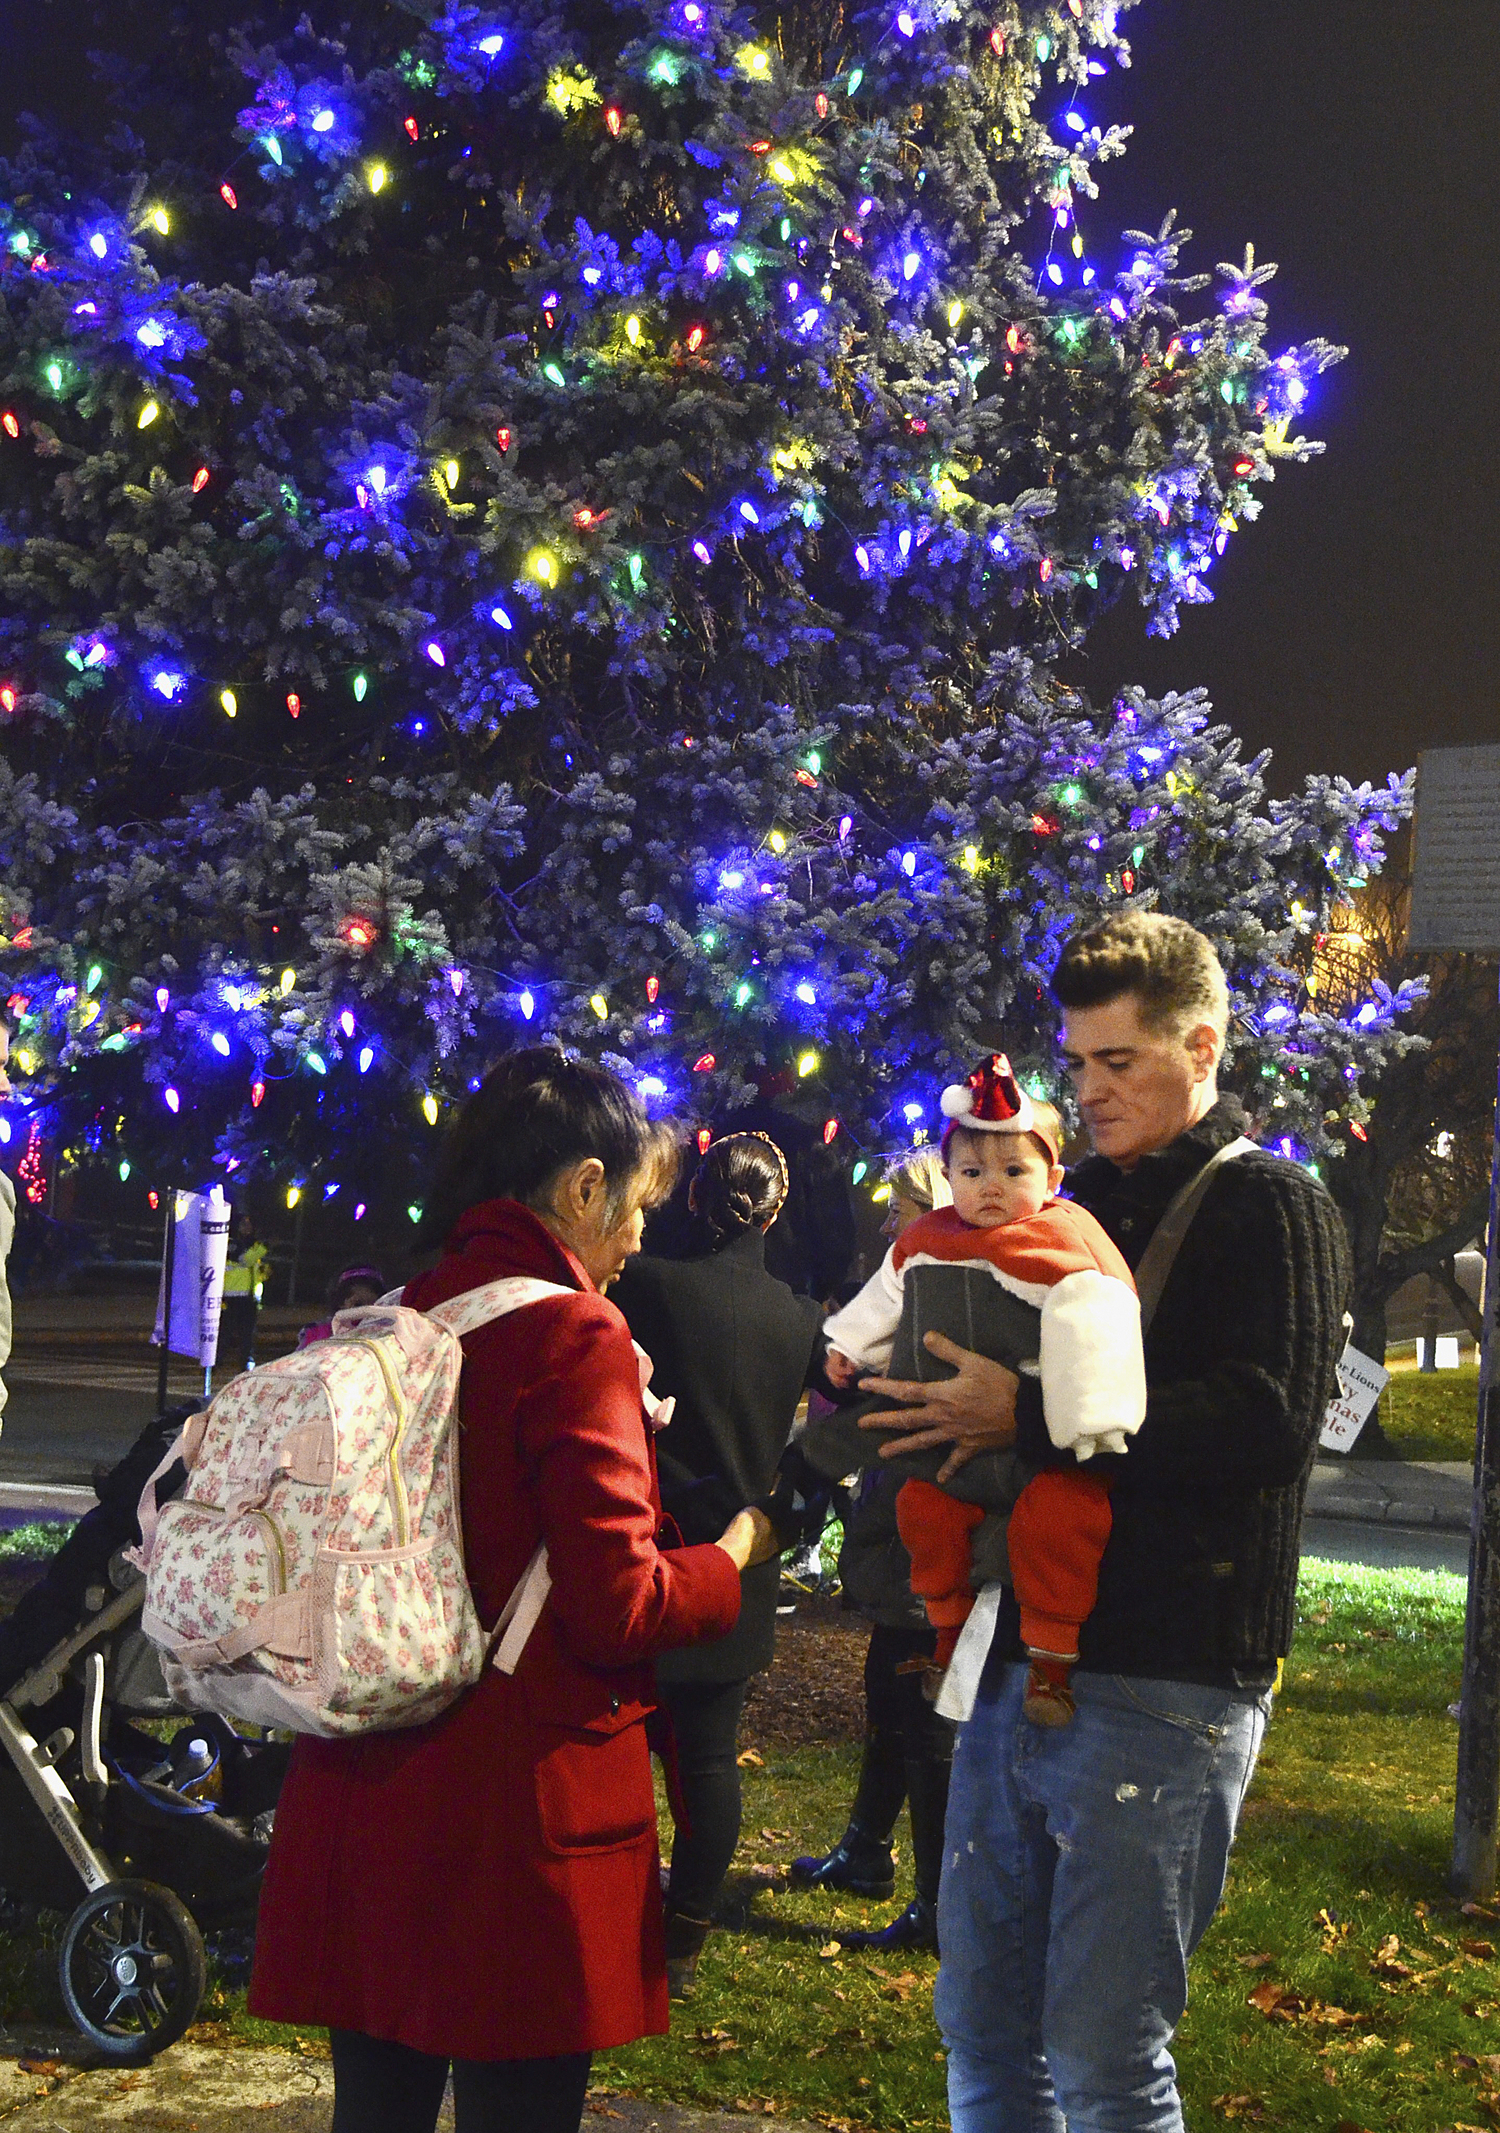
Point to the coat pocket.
(593, 1790)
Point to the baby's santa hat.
(992, 1101)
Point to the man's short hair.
(1169, 968)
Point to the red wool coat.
(485, 1886)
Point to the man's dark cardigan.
(1198, 1578)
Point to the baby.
(1033, 1282)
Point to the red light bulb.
(413, 129)
(200, 481)
(227, 194)
(294, 703)
(705, 1140)
(706, 1064)
(12, 427)
(653, 987)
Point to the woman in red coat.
(484, 1889)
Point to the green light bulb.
(856, 76)
(361, 684)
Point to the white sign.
(199, 1253)
(1361, 1382)
(1455, 896)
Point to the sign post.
(1456, 905)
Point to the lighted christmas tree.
(518, 522)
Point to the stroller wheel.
(133, 1970)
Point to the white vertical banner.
(199, 1255)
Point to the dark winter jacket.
(733, 1346)
(1198, 1578)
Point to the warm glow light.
(230, 702)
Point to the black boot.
(861, 1865)
(915, 1928)
(685, 1938)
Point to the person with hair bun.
(483, 1890)
(733, 1347)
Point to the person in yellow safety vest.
(245, 1276)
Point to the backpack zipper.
(398, 1486)
(276, 1551)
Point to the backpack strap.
(494, 1299)
(1160, 1255)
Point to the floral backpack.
(311, 1574)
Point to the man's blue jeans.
(1081, 1867)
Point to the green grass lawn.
(1370, 2010)
(1431, 1414)
(1339, 1988)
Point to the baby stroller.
(167, 1835)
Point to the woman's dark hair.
(740, 1184)
(535, 1113)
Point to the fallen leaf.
(1478, 1947)
(1254, 1962)
(831, 1947)
(749, 1760)
(1384, 1963)
(1478, 1910)
(1276, 2003)
(602, 2110)
(1251, 2107)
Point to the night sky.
(1353, 142)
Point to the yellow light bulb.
(971, 859)
(159, 220)
(26, 1061)
(600, 1006)
(543, 565)
(754, 60)
(288, 980)
(807, 1064)
(782, 171)
(230, 702)
(451, 473)
(881, 1192)
(376, 176)
(776, 841)
(955, 312)
(633, 331)
(293, 1195)
(430, 1108)
(147, 415)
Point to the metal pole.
(169, 1254)
(1476, 1804)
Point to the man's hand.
(974, 1412)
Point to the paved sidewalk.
(214, 2087)
(1394, 1492)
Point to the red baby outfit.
(1047, 1295)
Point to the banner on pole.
(1361, 1382)
(191, 1327)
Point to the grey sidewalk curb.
(1434, 1495)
